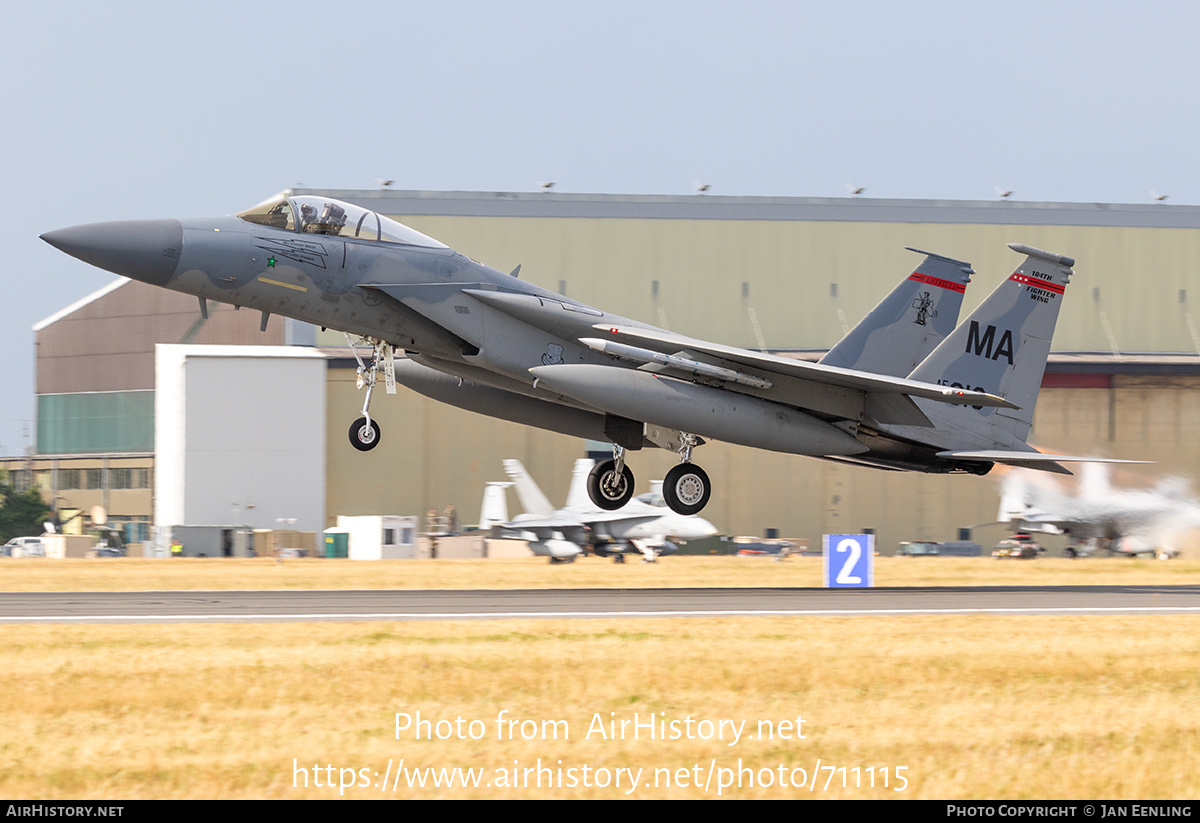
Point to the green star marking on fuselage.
(271, 262)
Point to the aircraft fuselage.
(487, 341)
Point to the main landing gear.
(610, 484)
(364, 432)
(686, 488)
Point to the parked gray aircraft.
(488, 342)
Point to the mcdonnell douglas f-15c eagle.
(485, 341)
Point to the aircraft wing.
(619, 516)
(572, 521)
(553, 522)
(878, 387)
(840, 392)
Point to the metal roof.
(80, 303)
(716, 207)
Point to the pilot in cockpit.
(308, 218)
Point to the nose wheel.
(364, 434)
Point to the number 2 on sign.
(844, 576)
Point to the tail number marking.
(956, 385)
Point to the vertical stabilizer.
(1002, 347)
(531, 497)
(494, 511)
(1015, 497)
(909, 323)
(577, 496)
(1093, 482)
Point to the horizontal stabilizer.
(1030, 459)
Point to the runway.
(485, 604)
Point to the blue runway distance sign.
(849, 561)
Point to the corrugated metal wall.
(1141, 284)
(432, 455)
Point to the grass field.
(966, 707)
(961, 708)
(135, 574)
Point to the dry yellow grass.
(129, 574)
(972, 707)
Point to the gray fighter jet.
(485, 341)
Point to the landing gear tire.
(609, 490)
(364, 436)
(686, 489)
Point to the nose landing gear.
(364, 432)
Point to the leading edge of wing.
(576, 520)
(536, 522)
(833, 375)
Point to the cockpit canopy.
(309, 214)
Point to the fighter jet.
(486, 341)
(1120, 521)
(640, 526)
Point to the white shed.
(380, 537)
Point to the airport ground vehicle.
(1020, 546)
(932, 548)
(25, 547)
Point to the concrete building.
(239, 437)
(381, 537)
(95, 396)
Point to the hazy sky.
(161, 109)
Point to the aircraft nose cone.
(146, 250)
